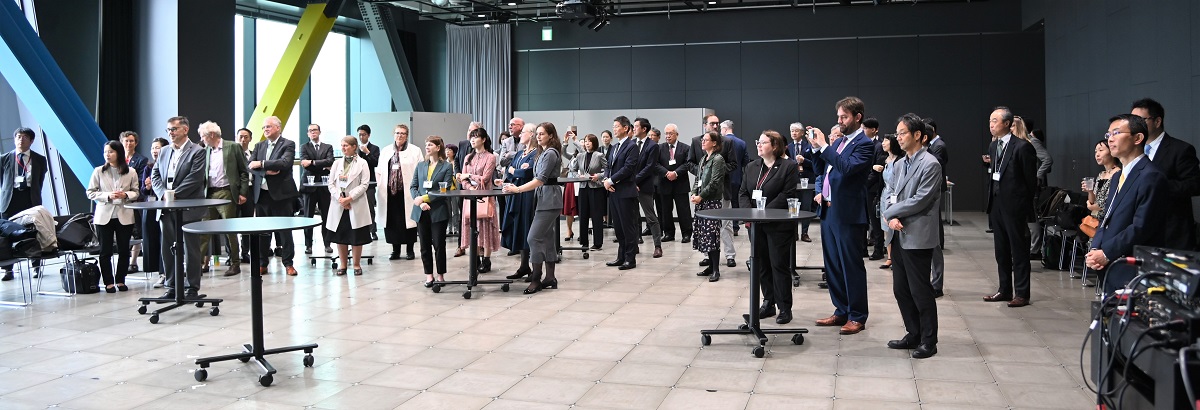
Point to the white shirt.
(270, 152)
(828, 168)
(174, 165)
(1152, 146)
(216, 168)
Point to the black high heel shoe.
(122, 287)
(552, 284)
(533, 288)
(569, 237)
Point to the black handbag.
(75, 233)
(80, 277)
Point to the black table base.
(180, 265)
(473, 265)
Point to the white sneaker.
(159, 284)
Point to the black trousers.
(433, 244)
(876, 231)
(21, 200)
(315, 203)
(678, 201)
(1011, 237)
(152, 242)
(914, 294)
(114, 235)
(771, 265)
(625, 226)
(591, 212)
(270, 206)
(244, 211)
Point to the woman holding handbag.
(113, 185)
(349, 220)
(479, 166)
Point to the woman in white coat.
(349, 219)
(398, 161)
(113, 185)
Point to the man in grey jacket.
(911, 209)
(181, 168)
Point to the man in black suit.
(274, 189)
(1177, 161)
(735, 161)
(370, 153)
(937, 147)
(1011, 192)
(22, 173)
(673, 187)
(623, 165)
(646, 180)
(315, 159)
(800, 150)
(875, 188)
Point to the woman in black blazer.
(432, 213)
(773, 178)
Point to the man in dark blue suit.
(844, 216)
(1140, 193)
(1177, 161)
(1013, 187)
(647, 180)
(735, 159)
(801, 151)
(623, 165)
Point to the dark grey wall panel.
(886, 61)
(713, 67)
(544, 102)
(520, 73)
(726, 103)
(658, 99)
(605, 101)
(817, 105)
(949, 60)
(770, 65)
(553, 72)
(764, 109)
(605, 70)
(658, 68)
(828, 63)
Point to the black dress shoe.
(1035, 256)
(785, 317)
(191, 295)
(805, 238)
(937, 293)
(646, 232)
(901, 344)
(668, 239)
(614, 240)
(705, 272)
(876, 256)
(170, 294)
(394, 257)
(640, 241)
(766, 310)
(410, 256)
(714, 277)
(730, 263)
(512, 253)
(7, 276)
(686, 239)
(627, 266)
(924, 351)
(328, 249)
(617, 262)
(308, 250)
(705, 262)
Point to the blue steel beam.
(40, 84)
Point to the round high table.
(473, 265)
(751, 325)
(558, 230)
(312, 260)
(255, 349)
(174, 210)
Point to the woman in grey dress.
(542, 246)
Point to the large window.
(328, 85)
(271, 39)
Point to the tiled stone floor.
(604, 339)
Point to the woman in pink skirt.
(479, 166)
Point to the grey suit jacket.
(188, 178)
(596, 166)
(282, 186)
(917, 187)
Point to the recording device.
(810, 133)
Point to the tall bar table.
(558, 230)
(254, 350)
(469, 196)
(333, 259)
(752, 325)
(174, 210)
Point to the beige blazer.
(357, 179)
(102, 185)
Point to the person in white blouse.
(348, 223)
(113, 185)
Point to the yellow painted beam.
(286, 84)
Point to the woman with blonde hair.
(348, 223)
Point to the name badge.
(671, 162)
(396, 166)
(892, 200)
(19, 180)
(118, 201)
(428, 184)
(343, 184)
(757, 194)
(996, 176)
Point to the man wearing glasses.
(274, 189)
(315, 159)
(180, 167)
(23, 172)
(1177, 161)
(1011, 192)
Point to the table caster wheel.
(504, 287)
(199, 304)
(266, 380)
(244, 359)
(312, 262)
(743, 326)
(154, 319)
(705, 340)
(309, 360)
(798, 339)
(201, 375)
(436, 288)
(214, 311)
(759, 352)
(333, 265)
(796, 282)
(142, 309)
(371, 261)
(467, 295)
(585, 256)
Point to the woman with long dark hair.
(543, 246)
(113, 185)
(894, 153)
(479, 166)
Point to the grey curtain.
(481, 74)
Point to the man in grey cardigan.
(911, 210)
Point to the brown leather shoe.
(291, 271)
(204, 269)
(997, 297)
(234, 270)
(657, 253)
(1018, 302)
(262, 270)
(852, 327)
(832, 320)
(805, 238)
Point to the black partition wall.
(769, 83)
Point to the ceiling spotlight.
(712, 3)
(599, 24)
(487, 25)
(480, 15)
(512, 3)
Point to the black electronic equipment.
(576, 9)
